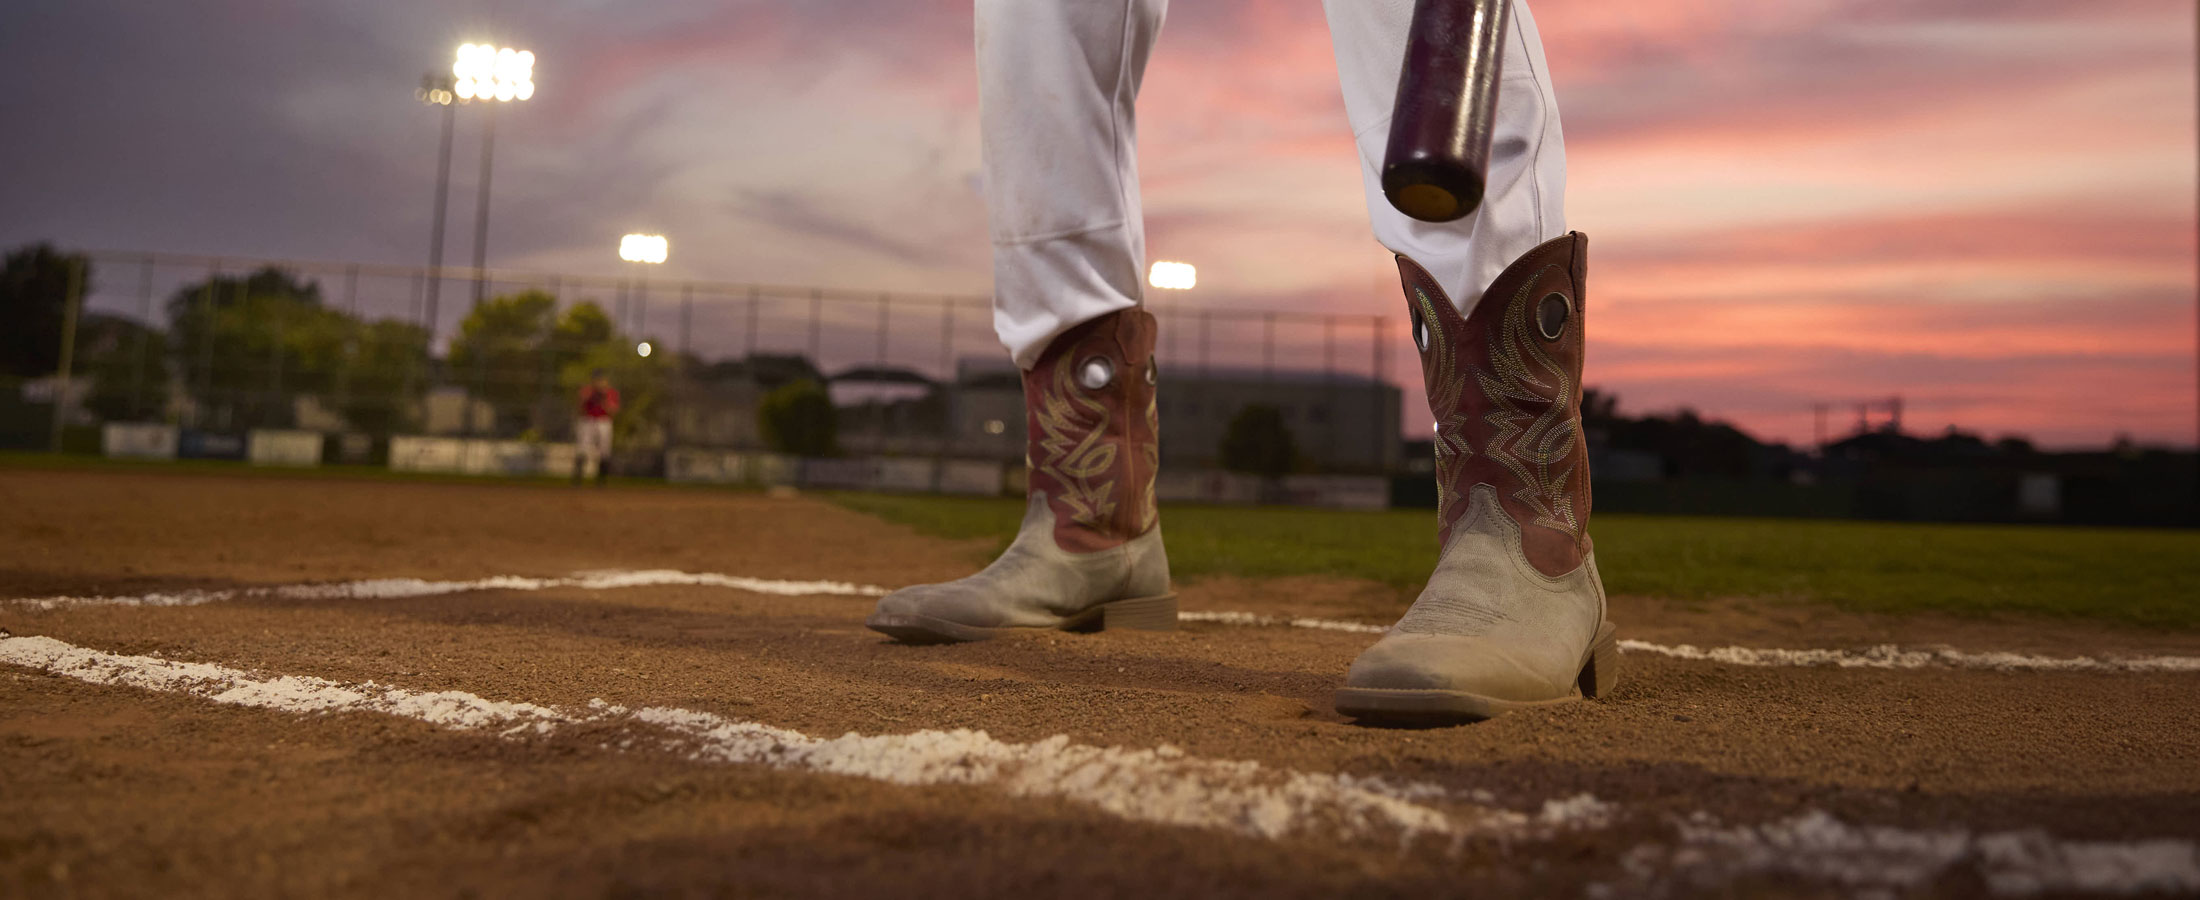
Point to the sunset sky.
(1984, 206)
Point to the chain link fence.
(219, 347)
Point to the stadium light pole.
(493, 75)
(437, 89)
(643, 250)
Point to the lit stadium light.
(486, 72)
(644, 248)
(1173, 276)
(643, 348)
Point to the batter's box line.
(400, 588)
(1166, 786)
(1883, 656)
(1162, 785)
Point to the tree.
(799, 418)
(1598, 407)
(34, 289)
(387, 374)
(126, 362)
(1258, 442)
(583, 327)
(502, 352)
(248, 345)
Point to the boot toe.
(908, 601)
(1404, 661)
(953, 601)
(969, 604)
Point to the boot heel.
(1140, 614)
(1601, 672)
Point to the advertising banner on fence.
(138, 440)
(279, 447)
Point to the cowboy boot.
(1514, 615)
(1089, 553)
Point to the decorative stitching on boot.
(1526, 444)
(1452, 448)
(1074, 451)
(1091, 431)
(1152, 452)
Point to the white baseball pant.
(1057, 85)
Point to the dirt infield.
(606, 735)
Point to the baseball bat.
(1438, 160)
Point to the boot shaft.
(1091, 431)
(1504, 386)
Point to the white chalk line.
(1167, 786)
(1706, 855)
(395, 588)
(1890, 656)
(1163, 785)
(1883, 656)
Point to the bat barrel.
(1438, 159)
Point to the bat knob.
(1431, 192)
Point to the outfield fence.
(222, 347)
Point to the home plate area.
(447, 689)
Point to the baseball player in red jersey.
(599, 401)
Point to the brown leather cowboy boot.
(1514, 615)
(1089, 554)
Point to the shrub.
(1257, 442)
(798, 418)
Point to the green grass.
(2130, 576)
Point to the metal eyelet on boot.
(1096, 373)
(1551, 315)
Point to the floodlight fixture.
(644, 248)
(1173, 276)
(489, 72)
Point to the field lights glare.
(1173, 276)
(644, 248)
(488, 72)
(643, 348)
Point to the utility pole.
(70, 303)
